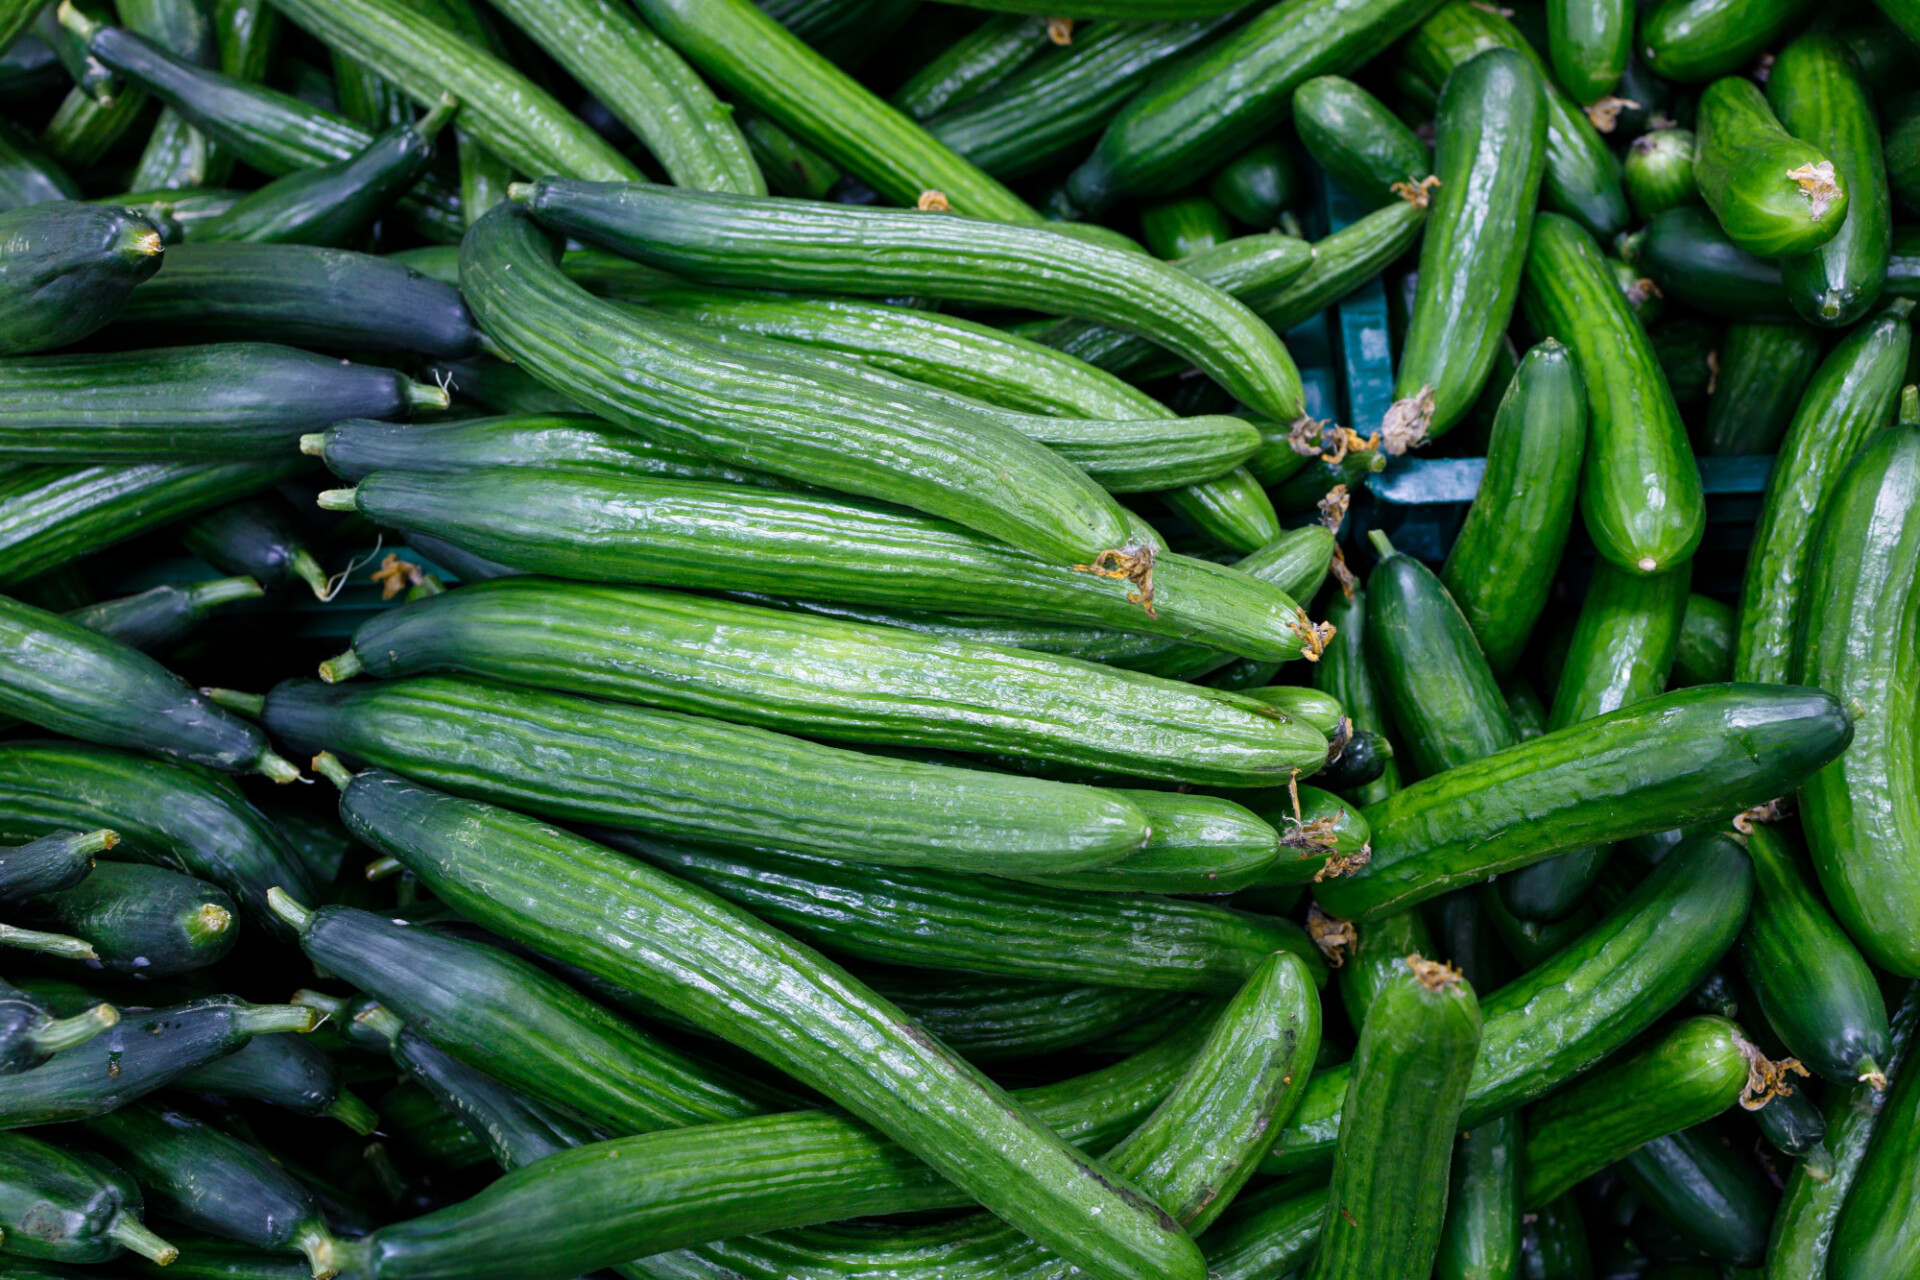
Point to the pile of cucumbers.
(749, 640)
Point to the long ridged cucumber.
(67, 269)
(1775, 195)
(163, 615)
(972, 64)
(1005, 1019)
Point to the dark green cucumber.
(1705, 651)
(1850, 398)
(1507, 552)
(1794, 1126)
(1270, 1232)
(62, 1206)
(974, 63)
(1857, 638)
(1875, 1234)
(1582, 178)
(1490, 150)
(914, 1090)
(1553, 1243)
(162, 616)
(759, 243)
(1709, 1193)
(1684, 345)
(1687, 1077)
(200, 1177)
(63, 677)
(1658, 172)
(259, 538)
(1360, 143)
(1809, 979)
(30, 1034)
(991, 927)
(1666, 762)
(1685, 252)
(230, 401)
(1589, 45)
(1232, 510)
(57, 860)
(144, 920)
(287, 1072)
(1223, 99)
(1817, 91)
(1446, 705)
(1344, 672)
(1764, 368)
(174, 211)
(303, 296)
(1257, 185)
(1776, 195)
(998, 1020)
(146, 1050)
(1183, 225)
(1530, 942)
(1640, 490)
(1405, 1088)
(1481, 1240)
(28, 176)
(1379, 959)
(1556, 1021)
(67, 269)
(1696, 40)
(790, 166)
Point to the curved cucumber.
(1344, 672)
(1623, 644)
(1710, 1194)
(58, 860)
(62, 1206)
(1775, 195)
(259, 538)
(1764, 368)
(286, 1071)
(68, 268)
(1589, 45)
(1687, 254)
(145, 920)
(1696, 40)
(1360, 143)
(164, 615)
(1481, 1240)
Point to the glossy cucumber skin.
(1562, 1017)
(1002, 1020)
(1640, 491)
(1623, 645)
(1816, 90)
(1589, 45)
(1257, 185)
(1809, 979)
(1360, 143)
(57, 860)
(1658, 172)
(1407, 1083)
(685, 392)
(1232, 510)
(68, 268)
(1447, 707)
(304, 296)
(163, 615)
(285, 1071)
(1664, 763)
(1742, 160)
(1481, 1240)
(145, 920)
(971, 65)
(1764, 368)
(759, 987)
(1860, 637)
(1690, 257)
(1183, 225)
(1553, 1243)
(1690, 1075)
(1489, 153)
(259, 537)
(1378, 959)
(1196, 844)
(1345, 672)
(1697, 40)
(1342, 262)
(1705, 651)
(1219, 101)
(1503, 560)
(56, 1204)
(1712, 1195)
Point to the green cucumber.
(1447, 707)
(971, 65)
(195, 1175)
(1687, 254)
(1232, 510)
(258, 537)
(367, 97)
(176, 153)
(790, 166)
(1850, 398)
(1553, 1243)
(1378, 959)
(1589, 46)
(1640, 491)
(1405, 1088)
(28, 176)
(162, 616)
(988, 1020)
(1696, 40)
(1257, 185)
(30, 1034)
(1327, 837)
(1808, 978)
(1714, 1198)
(1816, 90)
(174, 211)
(1687, 1077)
(67, 269)
(1309, 706)
(1794, 1126)
(1344, 672)
(144, 920)
(1764, 369)
(1658, 172)
(1269, 1233)
(1507, 552)
(1685, 347)
(1857, 638)
(1623, 643)
(1360, 143)
(1481, 1240)
(1705, 652)
(287, 1072)
(59, 1205)
(1183, 226)
(913, 1090)
(58, 860)
(1224, 98)
(1776, 195)
(1490, 150)
(1107, 8)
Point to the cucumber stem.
(425, 395)
(341, 666)
(290, 909)
(202, 596)
(47, 944)
(65, 1033)
(1870, 1073)
(313, 1240)
(337, 500)
(518, 192)
(1381, 543)
(210, 920)
(354, 1113)
(308, 570)
(328, 766)
(274, 1019)
(276, 768)
(130, 1233)
(238, 701)
(429, 125)
(77, 22)
(94, 841)
(327, 1006)
(314, 444)
(382, 1021)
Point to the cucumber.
(149, 1048)
(1795, 1127)
(791, 168)
(287, 1072)
(1776, 196)
(1640, 493)
(1327, 837)
(28, 176)
(1107, 8)
(1269, 1232)
(1850, 398)
(1658, 172)
(1589, 46)
(1257, 185)
(1232, 510)
(1764, 369)
(1378, 959)
(59, 1205)
(1685, 347)
(1000, 1020)
(63, 677)
(144, 920)
(1708, 1193)
(1816, 90)
(1342, 262)
(1344, 672)
(1481, 1239)
(1705, 652)
(1860, 813)
(162, 616)
(1405, 1089)
(1666, 762)
(201, 1178)
(1808, 978)
(972, 65)
(1447, 707)
(174, 211)
(368, 98)
(1224, 98)
(1553, 1243)
(1685, 252)
(1490, 150)
(1507, 552)
(1183, 226)
(1696, 40)
(1582, 177)
(58, 860)
(67, 269)
(1362, 145)
(30, 1034)
(256, 537)
(739, 240)
(1687, 1077)
(992, 927)
(1903, 269)
(1623, 644)
(915, 1091)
